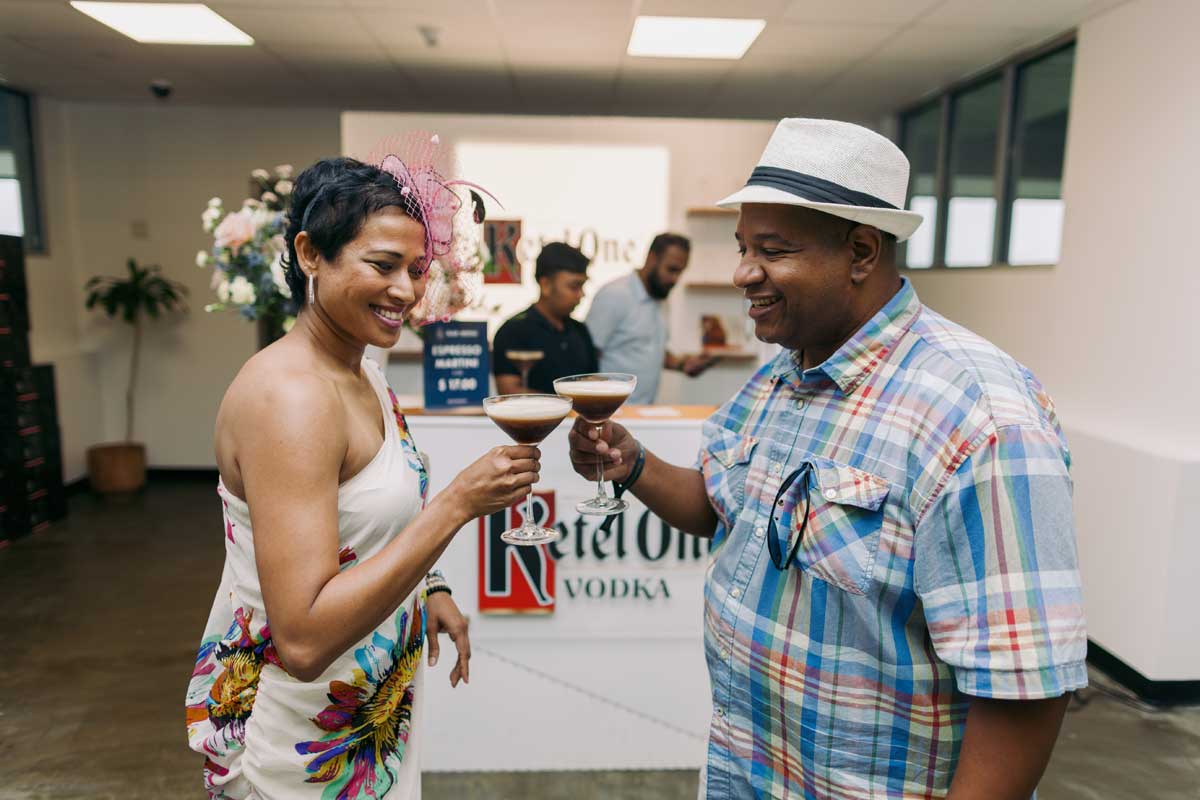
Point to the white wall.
(106, 169)
(1110, 330)
(708, 160)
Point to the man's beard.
(655, 287)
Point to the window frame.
(1009, 74)
(34, 237)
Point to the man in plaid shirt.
(893, 606)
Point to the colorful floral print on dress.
(368, 721)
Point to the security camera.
(161, 88)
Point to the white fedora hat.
(836, 167)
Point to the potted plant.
(120, 467)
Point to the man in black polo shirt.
(546, 326)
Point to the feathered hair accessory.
(452, 212)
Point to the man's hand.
(443, 616)
(695, 365)
(612, 445)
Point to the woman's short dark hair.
(332, 200)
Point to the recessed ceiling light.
(166, 23)
(693, 37)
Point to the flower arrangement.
(247, 251)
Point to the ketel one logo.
(516, 579)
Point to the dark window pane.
(1039, 145)
(921, 130)
(18, 183)
(971, 222)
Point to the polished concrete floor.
(99, 620)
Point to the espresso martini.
(528, 419)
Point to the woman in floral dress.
(308, 679)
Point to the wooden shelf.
(703, 284)
(733, 355)
(711, 211)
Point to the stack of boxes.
(31, 484)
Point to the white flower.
(202, 258)
(209, 218)
(284, 170)
(223, 291)
(241, 291)
(260, 175)
(270, 197)
(261, 217)
(218, 278)
(277, 275)
(250, 202)
(284, 187)
(214, 202)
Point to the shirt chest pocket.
(839, 537)
(725, 462)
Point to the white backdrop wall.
(1110, 330)
(106, 170)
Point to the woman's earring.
(312, 294)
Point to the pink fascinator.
(452, 211)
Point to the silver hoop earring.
(312, 294)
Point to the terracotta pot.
(117, 468)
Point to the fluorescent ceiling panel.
(693, 37)
(166, 23)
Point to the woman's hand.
(499, 479)
(613, 444)
(443, 616)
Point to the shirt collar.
(640, 293)
(851, 363)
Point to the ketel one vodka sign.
(630, 563)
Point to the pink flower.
(235, 230)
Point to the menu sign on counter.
(456, 364)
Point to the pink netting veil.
(452, 215)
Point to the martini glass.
(524, 359)
(596, 397)
(527, 419)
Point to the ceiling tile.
(978, 13)
(301, 27)
(872, 12)
(30, 18)
(577, 92)
(459, 42)
(743, 9)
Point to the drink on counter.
(524, 359)
(527, 419)
(597, 397)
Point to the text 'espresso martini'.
(528, 419)
(596, 400)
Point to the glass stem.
(600, 491)
(529, 523)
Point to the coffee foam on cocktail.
(609, 388)
(523, 408)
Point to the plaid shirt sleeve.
(997, 571)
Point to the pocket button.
(830, 494)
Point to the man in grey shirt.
(629, 325)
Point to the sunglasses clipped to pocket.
(803, 476)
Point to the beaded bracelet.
(441, 587)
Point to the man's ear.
(866, 251)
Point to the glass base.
(602, 506)
(529, 534)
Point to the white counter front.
(587, 652)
